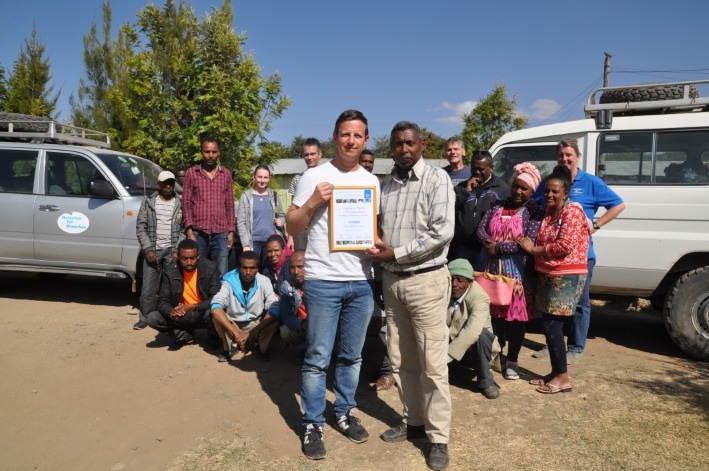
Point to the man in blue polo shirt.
(591, 193)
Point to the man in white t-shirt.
(311, 155)
(338, 285)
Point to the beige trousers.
(417, 338)
(264, 336)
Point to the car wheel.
(686, 313)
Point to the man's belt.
(415, 272)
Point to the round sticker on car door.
(73, 223)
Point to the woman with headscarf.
(501, 226)
(277, 264)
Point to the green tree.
(174, 78)
(28, 89)
(3, 87)
(434, 145)
(272, 151)
(490, 119)
(92, 108)
(381, 147)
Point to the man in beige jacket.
(471, 338)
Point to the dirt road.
(82, 391)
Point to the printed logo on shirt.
(576, 192)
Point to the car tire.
(686, 313)
(645, 94)
(25, 123)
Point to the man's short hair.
(187, 244)
(482, 155)
(453, 140)
(405, 126)
(210, 139)
(248, 255)
(368, 152)
(311, 141)
(352, 115)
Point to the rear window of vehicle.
(654, 158)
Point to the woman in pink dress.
(501, 226)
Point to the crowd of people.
(409, 304)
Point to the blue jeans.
(152, 276)
(259, 246)
(349, 304)
(214, 247)
(582, 317)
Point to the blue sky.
(424, 61)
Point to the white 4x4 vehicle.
(68, 204)
(650, 143)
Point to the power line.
(571, 105)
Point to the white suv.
(655, 154)
(68, 204)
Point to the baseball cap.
(166, 175)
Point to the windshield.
(137, 175)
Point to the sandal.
(552, 389)
(541, 381)
(384, 382)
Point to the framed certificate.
(353, 217)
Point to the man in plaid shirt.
(416, 223)
(208, 206)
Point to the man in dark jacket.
(185, 295)
(159, 230)
(472, 199)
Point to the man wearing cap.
(470, 328)
(159, 230)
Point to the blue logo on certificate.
(368, 194)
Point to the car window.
(138, 176)
(651, 158)
(17, 169)
(69, 174)
(542, 156)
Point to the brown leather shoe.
(384, 382)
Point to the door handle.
(49, 208)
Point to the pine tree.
(28, 89)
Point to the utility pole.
(606, 69)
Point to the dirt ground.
(81, 390)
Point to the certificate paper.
(353, 217)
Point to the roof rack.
(648, 98)
(41, 130)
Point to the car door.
(17, 199)
(72, 227)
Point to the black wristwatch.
(595, 225)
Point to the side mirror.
(101, 188)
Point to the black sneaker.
(233, 350)
(352, 427)
(140, 325)
(177, 344)
(437, 456)
(402, 431)
(313, 445)
(223, 357)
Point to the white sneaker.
(511, 370)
